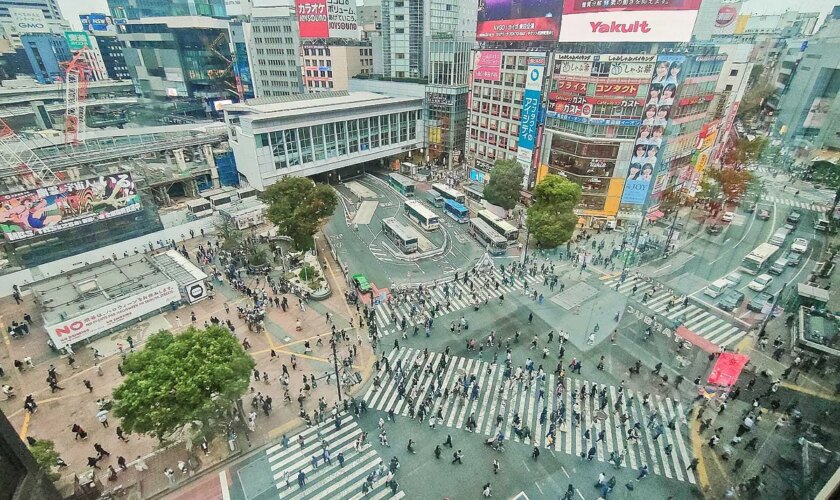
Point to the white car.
(727, 217)
(800, 245)
(734, 277)
(761, 282)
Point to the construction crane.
(76, 79)
(18, 160)
(214, 48)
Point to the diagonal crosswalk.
(695, 318)
(450, 297)
(499, 400)
(329, 481)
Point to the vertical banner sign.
(667, 75)
(530, 114)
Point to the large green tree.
(551, 218)
(744, 151)
(43, 451)
(196, 376)
(296, 206)
(732, 182)
(505, 184)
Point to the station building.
(332, 135)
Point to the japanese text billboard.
(55, 208)
(518, 19)
(658, 109)
(113, 315)
(29, 20)
(327, 18)
(529, 118)
(628, 20)
(488, 65)
(77, 40)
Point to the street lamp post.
(335, 366)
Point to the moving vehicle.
(763, 214)
(761, 282)
(500, 225)
(717, 287)
(779, 266)
(434, 198)
(735, 277)
(757, 303)
(793, 258)
(758, 259)
(404, 237)
(361, 283)
(822, 225)
(794, 217)
(495, 243)
(731, 300)
(800, 245)
(456, 211)
(402, 184)
(449, 193)
(780, 236)
(421, 215)
(714, 229)
(727, 216)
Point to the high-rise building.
(111, 51)
(48, 7)
(46, 52)
(274, 49)
(409, 25)
(446, 100)
(139, 9)
(329, 66)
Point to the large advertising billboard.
(488, 65)
(628, 20)
(523, 20)
(242, 71)
(26, 214)
(77, 40)
(659, 106)
(327, 18)
(99, 320)
(96, 21)
(529, 118)
(29, 20)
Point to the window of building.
(728, 88)
(734, 72)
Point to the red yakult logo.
(614, 27)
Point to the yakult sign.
(93, 322)
(628, 21)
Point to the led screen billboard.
(518, 19)
(628, 21)
(26, 214)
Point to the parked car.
(794, 218)
(731, 300)
(761, 282)
(727, 216)
(757, 303)
(764, 214)
(735, 277)
(714, 229)
(799, 245)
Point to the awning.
(727, 369)
(697, 340)
(827, 156)
(655, 215)
(812, 292)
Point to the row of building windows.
(318, 84)
(304, 145)
(275, 52)
(497, 94)
(272, 28)
(492, 153)
(275, 40)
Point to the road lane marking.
(224, 484)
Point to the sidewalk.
(75, 404)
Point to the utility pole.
(335, 365)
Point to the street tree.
(228, 234)
(505, 184)
(194, 378)
(43, 451)
(732, 182)
(551, 218)
(761, 88)
(744, 151)
(296, 206)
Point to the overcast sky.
(72, 8)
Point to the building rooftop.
(288, 106)
(95, 285)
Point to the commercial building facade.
(111, 51)
(331, 134)
(274, 48)
(139, 9)
(330, 66)
(46, 52)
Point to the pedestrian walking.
(457, 456)
(170, 475)
(536, 453)
(643, 473)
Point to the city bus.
(496, 244)
(421, 215)
(456, 211)
(434, 198)
(405, 238)
(758, 259)
(450, 194)
(500, 225)
(402, 184)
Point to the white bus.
(421, 215)
(404, 237)
(501, 226)
(496, 243)
(450, 194)
(758, 259)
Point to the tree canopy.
(551, 219)
(195, 376)
(732, 182)
(296, 206)
(744, 151)
(505, 184)
(43, 451)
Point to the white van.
(780, 236)
(717, 288)
(821, 225)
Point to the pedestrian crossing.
(329, 480)
(460, 296)
(667, 454)
(694, 317)
(805, 205)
